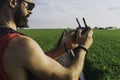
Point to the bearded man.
(21, 58)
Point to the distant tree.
(96, 27)
(101, 28)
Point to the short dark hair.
(2, 2)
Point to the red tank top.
(6, 34)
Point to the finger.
(88, 30)
(90, 33)
(67, 33)
(79, 31)
(71, 31)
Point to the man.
(21, 57)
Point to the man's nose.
(29, 11)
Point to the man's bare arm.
(55, 53)
(32, 58)
(66, 44)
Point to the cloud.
(58, 5)
(63, 12)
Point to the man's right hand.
(86, 39)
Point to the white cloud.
(54, 13)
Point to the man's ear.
(13, 3)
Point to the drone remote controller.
(84, 29)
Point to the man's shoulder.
(21, 47)
(20, 41)
(21, 44)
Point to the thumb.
(79, 31)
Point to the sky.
(63, 13)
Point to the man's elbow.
(73, 76)
(68, 76)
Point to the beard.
(21, 21)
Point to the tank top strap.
(6, 34)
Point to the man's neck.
(6, 20)
(9, 24)
(12, 25)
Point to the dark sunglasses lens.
(31, 6)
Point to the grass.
(46, 38)
(103, 60)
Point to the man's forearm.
(55, 53)
(77, 65)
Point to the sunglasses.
(30, 5)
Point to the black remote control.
(84, 29)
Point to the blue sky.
(62, 13)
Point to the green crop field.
(103, 60)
